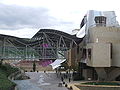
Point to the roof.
(55, 35)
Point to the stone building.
(98, 55)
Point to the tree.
(34, 66)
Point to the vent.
(100, 21)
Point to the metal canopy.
(46, 44)
(57, 36)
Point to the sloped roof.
(55, 35)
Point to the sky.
(24, 18)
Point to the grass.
(5, 71)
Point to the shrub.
(5, 71)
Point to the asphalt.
(45, 81)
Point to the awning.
(57, 63)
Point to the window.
(111, 50)
(89, 53)
(84, 53)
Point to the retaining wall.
(98, 87)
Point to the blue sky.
(23, 18)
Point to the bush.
(5, 71)
(8, 69)
(1, 61)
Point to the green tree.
(34, 66)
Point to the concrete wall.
(105, 45)
(116, 54)
(72, 55)
(38, 68)
(88, 74)
(97, 87)
(105, 34)
(100, 55)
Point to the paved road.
(40, 81)
(26, 85)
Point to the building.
(46, 45)
(98, 54)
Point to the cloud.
(19, 17)
(28, 33)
